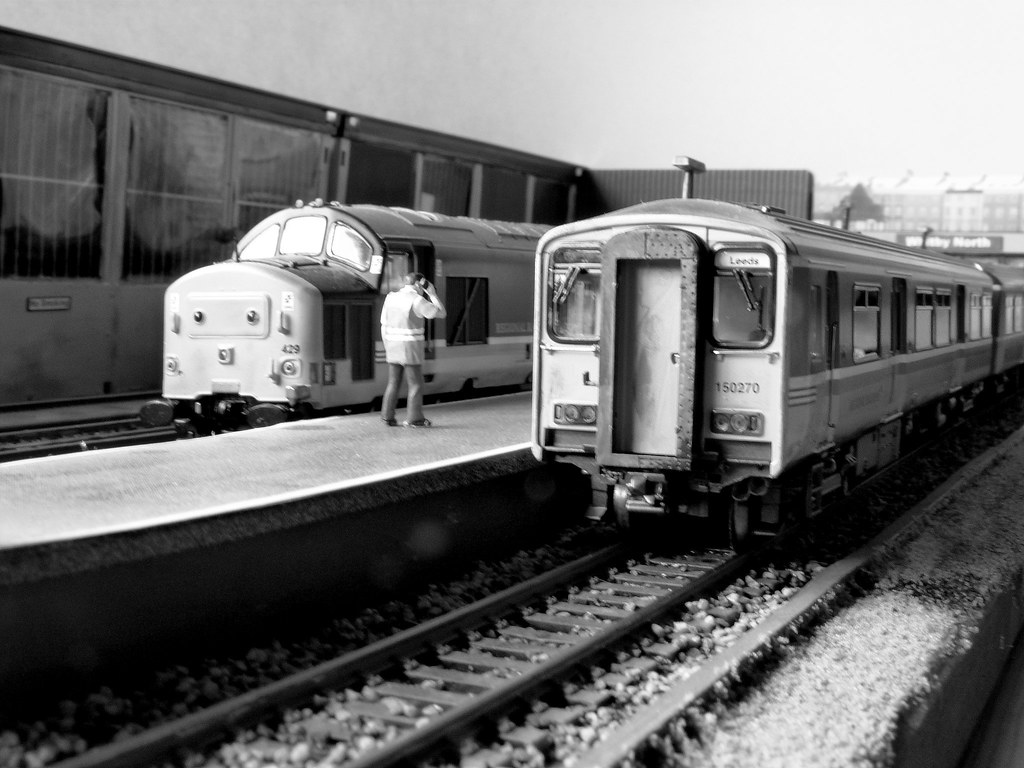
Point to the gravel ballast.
(852, 693)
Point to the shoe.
(417, 423)
(389, 422)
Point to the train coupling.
(638, 494)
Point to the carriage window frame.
(348, 247)
(572, 263)
(867, 317)
(733, 262)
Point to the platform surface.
(78, 495)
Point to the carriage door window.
(898, 343)
(986, 315)
(924, 306)
(943, 317)
(467, 310)
(975, 324)
(832, 313)
(363, 325)
(334, 332)
(815, 335)
(865, 322)
(961, 314)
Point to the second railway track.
(80, 435)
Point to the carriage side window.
(574, 291)
(743, 299)
(943, 317)
(1018, 313)
(986, 315)
(466, 300)
(923, 318)
(974, 331)
(866, 322)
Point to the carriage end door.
(648, 349)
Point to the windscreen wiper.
(753, 303)
(562, 291)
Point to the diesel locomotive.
(729, 362)
(290, 326)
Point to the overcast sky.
(873, 87)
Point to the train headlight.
(572, 413)
(720, 422)
(252, 317)
(737, 422)
(199, 316)
(225, 354)
(172, 366)
(291, 367)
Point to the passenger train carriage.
(710, 359)
(291, 325)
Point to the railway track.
(459, 675)
(669, 657)
(78, 435)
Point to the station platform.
(99, 493)
(138, 552)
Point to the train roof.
(1009, 278)
(796, 232)
(405, 223)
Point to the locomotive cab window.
(303, 236)
(866, 322)
(574, 295)
(743, 298)
(263, 246)
(348, 246)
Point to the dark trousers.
(414, 383)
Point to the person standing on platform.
(402, 327)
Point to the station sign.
(743, 260)
(963, 242)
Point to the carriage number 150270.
(738, 387)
